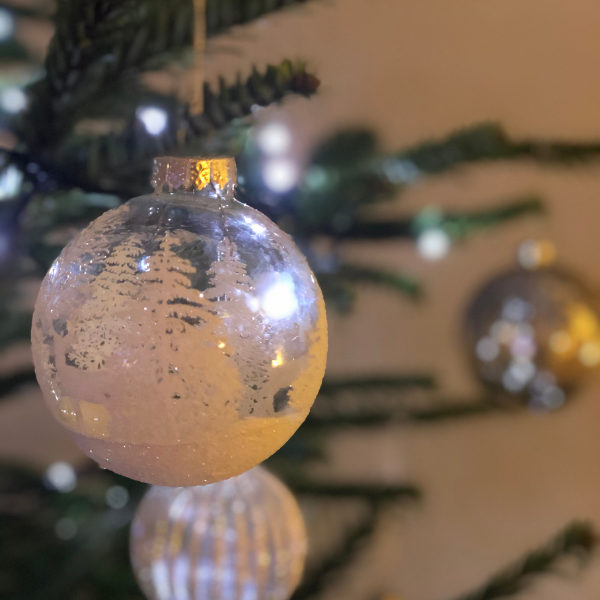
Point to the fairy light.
(10, 182)
(433, 244)
(7, 25)
(13, 100)
(61, 477)
(274, 139)
(154, 119)
(280, 174)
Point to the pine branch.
(221, 15)
(120, 162)
(578, 540)
(458, 225)
(437, 411)
(373, 492)
(100, 44)
(29, 12)
(14, 327)
(13, 382)
(353, 544)
(487, 142)
(338, 286)
(333, 386)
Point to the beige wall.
(414, 69)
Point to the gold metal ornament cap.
(193, 174)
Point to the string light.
(433, 244)
(10, 182)
(274, 139)
(154, 119)
(7, 25)
(13, 100)
(61, 477)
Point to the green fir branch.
(14, 327)
(353, 543)
(11, 383)
(120, 162)
(101, 44)
(40, 13)
(372, 492)
(386, 383)
(433, 412)
(221, 15)
(459, 226)
(486, 142)
(578, 540)
(350, 274)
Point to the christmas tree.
(79, 132)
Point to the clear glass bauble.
(181, 338)
(241, 539)
(534, 335)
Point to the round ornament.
(533, 335)
(181, 338)
(240, 539)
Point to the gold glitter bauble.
(241, 539)
(181, 338)
(534, 335)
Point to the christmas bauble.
(241, 539)
(181, 338)
(534, 335)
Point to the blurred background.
(498, 484)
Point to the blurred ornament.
(181, 338)
(534, 334)
(240, 539)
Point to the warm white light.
(155, 119)
(280, 174)
(276, 296)
(434, 244)
(257, 228)
(7, 24)
(279, 301)
(13, 100)
(278, 360)
(145, 264)
(274, 139)
(10, 182)
(61, 477)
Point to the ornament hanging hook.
(197, 92)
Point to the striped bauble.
(239, 539)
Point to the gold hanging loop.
(197, 93)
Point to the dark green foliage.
(11, 50)
(120, 162)
(37, 565)
(11, 383)
(388, 384)
(577, 541)
(353, 543)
